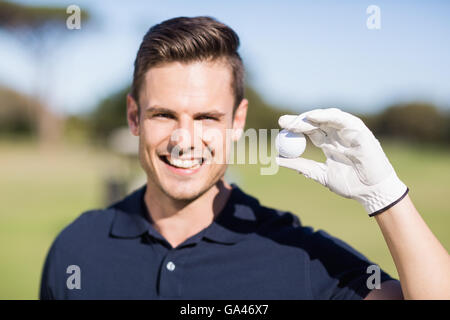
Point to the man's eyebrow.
(210, 113)
(159, 110)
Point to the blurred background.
(65, 149)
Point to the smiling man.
(188, 234)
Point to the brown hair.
(187, 40)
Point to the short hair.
(189, 39)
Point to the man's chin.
(184, 191)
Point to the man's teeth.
(186, 164)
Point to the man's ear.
(132, 115)
(240, 115)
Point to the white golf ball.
(290, 144)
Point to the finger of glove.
(318, 137)
(296, 123)
(309, 168)
(331, 117)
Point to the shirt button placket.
(170, 280)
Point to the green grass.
(42, 190)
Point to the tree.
(109, 114)
(262, 115)
(38, 28)
(17, 113)
(416, 121)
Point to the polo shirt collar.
(233, 224)
(236, 220)
(129, 219)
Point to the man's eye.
(207, 118)
(163, 115)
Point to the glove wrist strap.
(391, 205)
(384, 195)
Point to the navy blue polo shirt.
(248, 252)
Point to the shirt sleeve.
(48, 278)
(337, 271)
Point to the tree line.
(412, 121)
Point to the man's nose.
(187, 136)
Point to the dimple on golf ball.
(290, 144)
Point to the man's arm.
(389, 290)
(357, 168)
(422, 262)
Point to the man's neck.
(178, 220)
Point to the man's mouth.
(180, 163)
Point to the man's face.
(185, 111)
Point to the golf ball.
(290, 144)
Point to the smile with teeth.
(184, 163)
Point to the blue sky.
(298, 54)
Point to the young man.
(187, 234)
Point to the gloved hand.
(356, 166)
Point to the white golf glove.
(356, 166)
